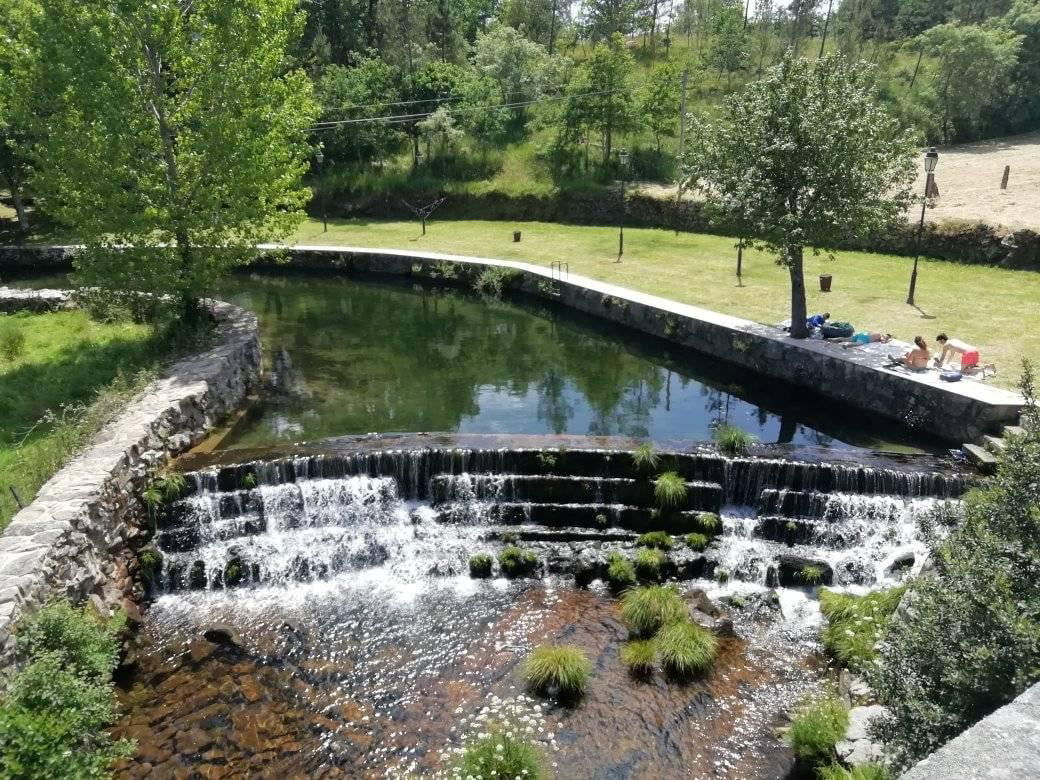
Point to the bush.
(82, 642)
(657, 539)
(501, 755)
(686, 649)
(515, 562)
(859, 772)
(645, 457)
(709, 523)
(12, 338)
(621, 573)
(558, 669)
(480, 565)
(639, 656)
(855, 624)
(648, 564)
(494, 279)
(810, 575)
(696, 542)
(732, 440)
(646, 609)
(670, 489)
(150, 561)
(817, 727)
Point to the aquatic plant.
(233, 573)
(621, 573)
(493, 280)
(810, 575)
(696, 542)
(855, 624)
(858, 772)
(480, 565)
(547, 460)
(645, 609)
(515, 562)
(722, 575)
(561, 670)
(657, 539)
(686, 649)
(150, 561)
(602, 521)
(733, 440)
(639, 655)
(645, 457)
(249, 480)
(709, 522)
(648, 563)
(500, 753)
(818, 726)
(509, 538)
(670, 489)
(164, 489)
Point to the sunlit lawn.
(995, 309)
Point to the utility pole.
(826, 24)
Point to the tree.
(604, 18)
(174, 138)
(540, 20)
(804, 157)
(514, 62)
(17, 67)
(974, 67)
(966, 639)
(443, 29)
(442, 135)
(603, 85)
(362, 92)
(659, 103)
(729, 47)
(1023, 105)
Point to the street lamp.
(623, 158)
(931, 160)
(319, 156)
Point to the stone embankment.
(76, 539)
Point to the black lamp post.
(931, 159)
(319, 156)
(623, 158)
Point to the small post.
(516, 236)
(1005, 177)
(740, 262)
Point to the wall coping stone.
(73, 539)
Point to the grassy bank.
(990, 307)
(70, 376)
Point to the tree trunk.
(19, 203)
(795, 267)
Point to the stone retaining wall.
(75, 540)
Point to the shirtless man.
(917, 358)
(952, 347)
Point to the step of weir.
(632, 518)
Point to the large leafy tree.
(366, 91)
(602, 92)
(175, 136)
(806, 157)
(17, 68)
(514, 62)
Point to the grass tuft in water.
(696, 542)
(561, 670)
(639, 655)
(501, 755)
(858, 772)
(670, 489)
(855, 624)
(709, 522)
(516, 562)
(645, 457)
(648, 564)
(686, 649)
(817, 727)
(621, 573)
(810, 575)
(480, 566)
(656, 539)
(646, 609)
(733, 440)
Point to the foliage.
(558, 669)
(12, 338)
(493, 279)
(164, 489)
(816, 728)
(648, 564)
(810, 575)
(176, 129)
(658, 539)
(17, 77)
(621, 573)
(729, 50)
(858, 772)
(855, 624)
(513, 62)
(480, 565)
(670, 489)
(696, 541)
(515, 562)
(368, 85)
(769, 162)
(709, 522)
(639, 656)
(647, 608)
(686, 649)
(967, 642)
(732, 440)
(150, 561)
(501, 754)
(55, 715)
(645, 457)
(547, 460)
(659, 102)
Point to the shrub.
(150, 561)
(602, 521)
(639, 656)
(732, 440)
(621, 573)
(249, 480)
(12, 338)
(696, 542)
(817, 727)
(645, 457)
(515, 562)
(547, 460)
(648, 564)
(722, 575)
(493, 280)
(670, 489)
(858, 772)
(164, 489)
(657, 539)
(480, 565)
(501, 755)
(855, 624)
(810, 575)
(646, 609)
(82, 642)
(686, 649)
(709, 522)
(560, 669)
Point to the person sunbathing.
(863, 337)
(916, 358)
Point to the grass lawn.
(70, 368)
(997, 310)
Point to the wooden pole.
(1005, 177)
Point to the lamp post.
(931, 160)
(623, 158)
(419, 157)
(319, 156)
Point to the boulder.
(858, 747)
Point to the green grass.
(709, 523)
(696, 541)
(621, 573)
(656, 539)
(515, 562)
(480, 565)
(859, 772)
(670, 489)
(645, 457)
(639, 655)
(855, 624)
(817, 727)
(686, 649)
(646, 609)
(979, 304)
(732, 440)
(648, 564)
(561, 670)
(71, 377)
(501, 754)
